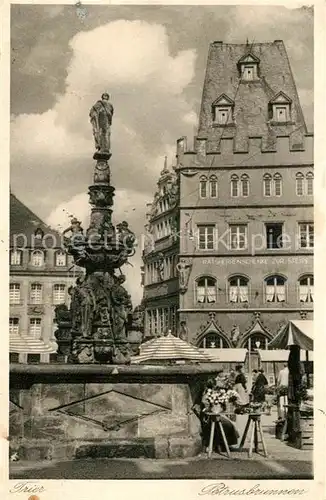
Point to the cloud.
(131, 60)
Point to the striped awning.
(171, 348)
(298, 333)
(23, 344)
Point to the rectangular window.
(238, 237)
(248, 72)
(35, 328)
(306, 235)
(15, 258)
(274, 232)
(36, 294)
(13, 326)
(59, 294)
(14, 293)
(60, 259)
(281, 113)
(245, 187)
(206, 237)
(222, 114)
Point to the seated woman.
(229, 428)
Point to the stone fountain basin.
(60, 411)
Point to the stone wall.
(87, 417)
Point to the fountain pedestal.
(76, 411)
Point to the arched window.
(277, 184)
(16, 257)
(238, 289)
(60, 258)
(245, 185)
(306, 288)
(299, 184)
(206, 290)
(213, 191)
(275, 289)
(310, 183)
(213, 340)
(37, 258)
(36, 293)
(234, 186)
(203, 187)
(267, 180)
(256, 341)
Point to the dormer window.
(222, 109)
(248, 67)
(280, 108)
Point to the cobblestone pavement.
(283, 462)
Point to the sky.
(152, 60)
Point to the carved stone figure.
(183, 268)
(125, 235)
(160, 266)
(101, 119)
(87, 305)
(235, 334)
(183, 331)
(173, 193)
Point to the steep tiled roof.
(251, 99)
(24, 221)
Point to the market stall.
(226, 358)
(297, 336)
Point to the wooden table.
(254, 419)
(216, 419)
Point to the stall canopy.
(225, 355)
(298, 333)
(169, 348)
(280, 355)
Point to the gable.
(281, 98)
(223, 100)
(248, 58)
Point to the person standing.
(282, 390)
(240, 385)
(259, 388)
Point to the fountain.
(92, 402)
(95, 328)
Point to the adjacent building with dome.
(244, 209)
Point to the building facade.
(160, 257)
(41, 273)
(246, 202)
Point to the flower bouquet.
(219, 398)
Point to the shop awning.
(225, 355)
(299, 332)
(280, 355)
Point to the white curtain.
(280, 293)
(270, 289)
(303, 293)
(312, 292)
(243, 293)
(211, 294)
(233, 293)
(200, 294)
